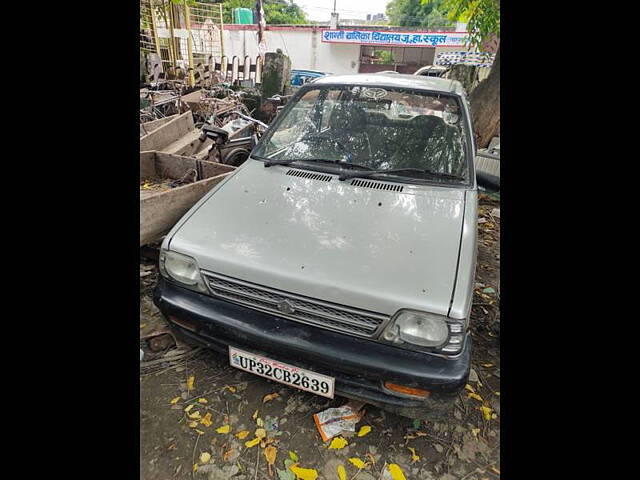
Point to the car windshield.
(378, 128)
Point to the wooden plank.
(148, 164)
(168, 133)
(174, 166)
(159, 212)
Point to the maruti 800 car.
(340, 257)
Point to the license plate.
(281, 372)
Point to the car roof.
(399, 80)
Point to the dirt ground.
(466, 447)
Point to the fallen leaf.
(261, 433)
(364, 430)
(396, 472)
(188, 408)
(495, 470)
(414, 457)
(486, 412)
(271, 396)
(174, 400)
(190, 381)
(370, 457)
(285, 474)
(359, 464)
(260, 422)
(143, 325)
(470, 388)
(497, 393)
(227, 455)
(342, 473)
(230, 388)
(338, 443)
(304, 473)
(270, 454)
(205, 457)
(293, 456)
(243, 434)
(193, 424)
(475, 432)
(255, 415)
(487, 365)
(224, 429)
(195, 415)
(202, 400)
(195, 467)
(206, 420)
(200, 432)
(252, 443)
(475, 396)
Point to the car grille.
(306, 310)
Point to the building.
(346, 49)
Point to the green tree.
(276, 12)
(417, 13)
(483, 22)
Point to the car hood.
(379, 250)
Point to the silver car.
(340, 257)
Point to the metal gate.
(187, 36)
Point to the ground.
(465, 447)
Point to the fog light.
(416, 392)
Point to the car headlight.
(182, 269)
(417, 328)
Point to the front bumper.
(360, 366)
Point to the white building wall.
(304, 48)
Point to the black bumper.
(358, 365)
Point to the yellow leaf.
(188, 408)
(293, 456)
(487, 365)
(396, 472)
(174, 400)
(252, 443)
(486, 412)
(205, 457)
(364, 430)
(342, 473)
(475, 432)
(193, 424)
(243, 434)
(259, 422)
(261, 433)
(223, 429)
(190, 381)
(303, 473)
(195, 467)
(142, 325)
(357, 462)
(206, 420)
(230, 388)
(202, 400)
(495, 470)
(255, 415)
(470, 388)
(414, 457)
(195, 415)
(200, 432)
(270, 454)
(497, 393)
(338, 443)
(475, 396)
(270, 397)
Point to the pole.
(221, 34)
(187, 20)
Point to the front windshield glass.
(378, 128)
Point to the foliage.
(276, 12)
(384, 56)
(431, 14)
(482, 16)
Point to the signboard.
(396, 39)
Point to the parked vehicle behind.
(300, 77)
(340, 257)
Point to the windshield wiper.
(269, 163)
(346, 176)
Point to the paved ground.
(465, 447)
